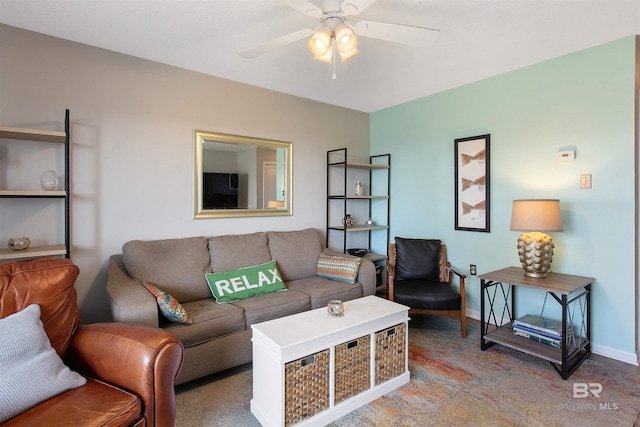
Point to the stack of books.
(539, 329)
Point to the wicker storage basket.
(390, 353)
(306, 387)
(352, 368)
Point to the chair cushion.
(32, 371)
(94, 404)
(427, 295)
(417, 259)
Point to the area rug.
(453, 383)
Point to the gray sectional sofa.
(220, 335)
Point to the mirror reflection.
(238, 176)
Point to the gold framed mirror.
(241, 176)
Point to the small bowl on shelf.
(358, 251)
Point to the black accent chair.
(420, 277)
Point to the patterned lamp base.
(535, 251)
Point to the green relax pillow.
(338, 268)
(233, 285)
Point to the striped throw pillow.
(338, 268)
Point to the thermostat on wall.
(566, 156)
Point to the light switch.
(585, 180)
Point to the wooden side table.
(566, 289)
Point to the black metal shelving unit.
(24, 134)
(338, 160)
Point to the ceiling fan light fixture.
(324, 58)
(347, 42)
(320, 43)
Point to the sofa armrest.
(129, 301)
(367, 277)
(138, 358)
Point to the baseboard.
(600, 350)
(612, 353)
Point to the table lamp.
(535, 247)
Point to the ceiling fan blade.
(304, 6)
(354, 7)
(276, 43)
(403, 34)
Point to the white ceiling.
(478, 39)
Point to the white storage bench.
(310, 369)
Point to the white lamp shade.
(536, 215)
(347, 42)
(320, 45)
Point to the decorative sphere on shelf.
(19, 243)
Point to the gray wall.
(132, 123)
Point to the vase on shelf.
(359, 188)
(348, 221)
(49, 181)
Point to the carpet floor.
(453, 383)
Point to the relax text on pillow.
(242, 283)
(229, 286)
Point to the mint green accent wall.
(583, 101)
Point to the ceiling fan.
(336, 35)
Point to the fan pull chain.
(333, 58)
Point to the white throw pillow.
(32, 371)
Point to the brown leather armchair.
(130, 369)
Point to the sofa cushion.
(322, 290)
(102, 405)
(177, 266)
(271, 306)
(235, 251)
(168, 305)
(32, 371)
(210, 320)
(296, 252)
(338, 268)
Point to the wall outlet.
(472, 269)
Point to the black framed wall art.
(472, 183)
